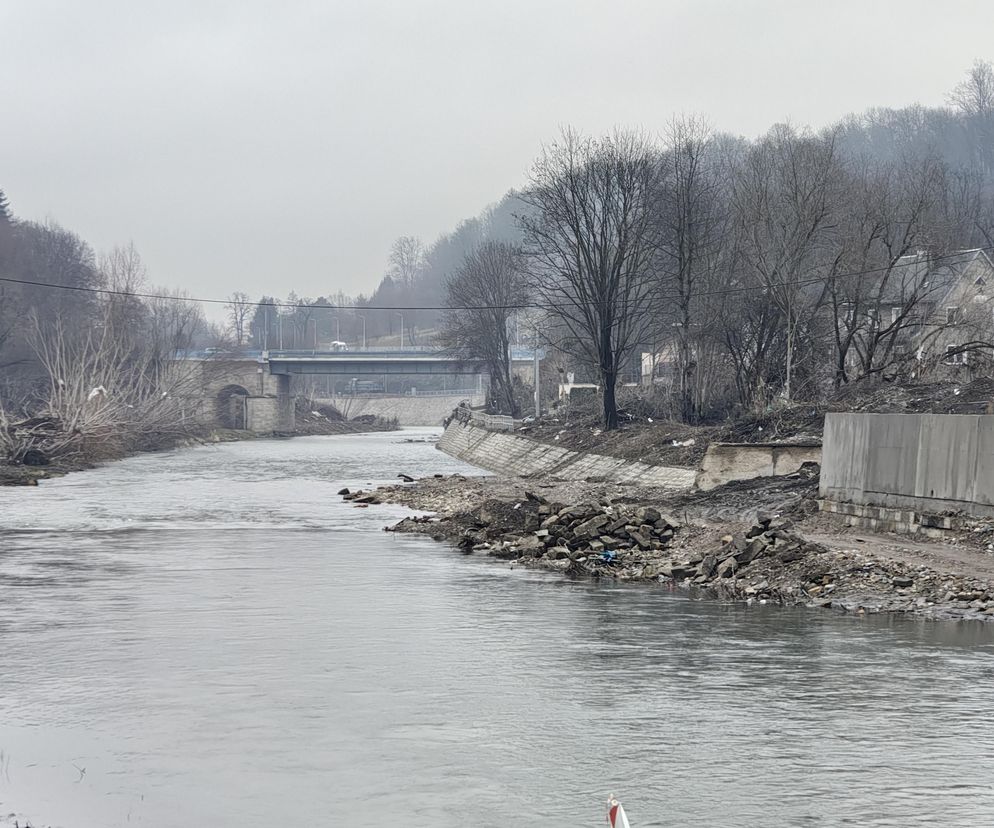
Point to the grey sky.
(270, 146)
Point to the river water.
(211, 637)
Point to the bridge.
(253, 390)
(408, 362)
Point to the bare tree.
(693, 216)
(240, 309)
(407, 260)
(483, 295)
(591, 240)
(784, 196)
(975, 94)
(877, 283)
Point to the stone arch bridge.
(255, 391)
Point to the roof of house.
(934, 278)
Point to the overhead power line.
(520, 306)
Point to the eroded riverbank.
(757, 541)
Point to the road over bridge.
(364, 363)
(253, 389)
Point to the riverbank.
(753, 541)
(307, 426)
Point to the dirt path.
(944, 557)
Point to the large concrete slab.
(927, 462)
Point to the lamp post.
(363, 320)
(401, 330)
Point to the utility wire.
(522, 306)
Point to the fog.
(263, 147)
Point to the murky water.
(211, 637)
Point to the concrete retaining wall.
(925, 462)
(409, 411)
(511, 455)
(725, 462)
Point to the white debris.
(99, 391)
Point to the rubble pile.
(767, 560)
(770, 562)
(621, 538)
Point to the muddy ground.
(644, 435)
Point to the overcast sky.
(270, 146)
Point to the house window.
(980, 281)
(954, 357)
(952, 316)
(895, 315)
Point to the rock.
(344, 492)
(596, 546)
(406, 478)
(790, 555)
(590, 528)
(902, 581)
(639, 538)
(708, 565)
(647, 514)
(667, 522)
(727, 568)
(557, 553)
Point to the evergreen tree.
(6, 217)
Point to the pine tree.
(5, 215)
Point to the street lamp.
(363, 320)
(401, 330)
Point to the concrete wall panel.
(926, 462)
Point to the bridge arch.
(231, 406)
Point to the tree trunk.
(610, 379)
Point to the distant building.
(927, 317)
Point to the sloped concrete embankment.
(407, 410)
(514, 456)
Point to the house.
(926, 316)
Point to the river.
(212, 637)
